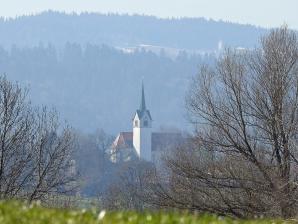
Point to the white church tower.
(142, 124)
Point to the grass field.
(18, 213)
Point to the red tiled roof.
(124, 140)
(159, 141)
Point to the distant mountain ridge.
(125, 31)
(90, 66)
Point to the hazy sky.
(267, 13)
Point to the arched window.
(136, 123)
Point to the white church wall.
(136, 139)
(142, 142)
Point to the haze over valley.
(90, 66)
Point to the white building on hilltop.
(142, 143)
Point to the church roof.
(143, 102)
(123, 141)
(143, 110)
(159, 140)
(141, 113)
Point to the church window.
(136, 123)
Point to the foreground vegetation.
(20, 213)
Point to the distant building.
(142, 143)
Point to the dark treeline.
(125, 30)
(99, 86)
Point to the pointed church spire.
(143, 103)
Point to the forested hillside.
(90, 66)
(99, 86)
(125, 31)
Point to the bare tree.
(15, 129)
(245, 112)
(34, 150)
(93, 162)
(103, 142)
(127, 190)
(51, 149)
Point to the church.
(142, 143)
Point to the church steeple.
(142, 124)
(143, 102)
(143, 109)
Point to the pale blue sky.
(266, 13)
